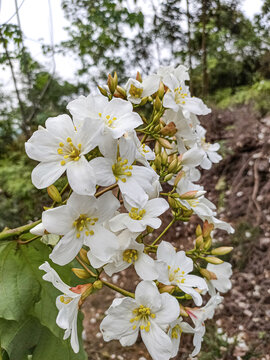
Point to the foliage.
(27, 311)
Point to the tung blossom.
(176, 329)
(223, 273)
(137, 90)
(115, 117)
(134, 181)
(59, 148)
(149, 313)
(137, 219)
(179, 97)
(174, 268)
(81, 222)
(67, 304)
(198, 316)
(210, 150)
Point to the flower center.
(109, 120)
(136, 214)
(143, 150)
(69, 151)
(176, 275)
(176, 331)
(84, 223)
(65, 299)
(142, 314)
(130, 255)
(135, 92)
(180, 95)
(193, 202)
(120, 169)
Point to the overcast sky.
(35, 22)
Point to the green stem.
(85, 267)
(163, 232)
(5, 234)
(28, 241)
(105, 190)
(118, 289)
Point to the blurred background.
(51, 51)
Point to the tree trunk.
(189, 46)
(204, 50)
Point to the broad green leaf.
(18, 290)
(18, 338)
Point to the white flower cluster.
(99, 150)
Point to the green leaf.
(30, 337)
(18, 338)
(18, 290)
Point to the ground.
(240, 187)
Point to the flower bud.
(169, 130)
(161, 90)
(157, 104)
(54, 194)
(115, 80)
(157, 161)
(164, 157)
(103, 91)
(157, 148)
(199, 241)
(111, 84)
(98, 285)
(198, 230)
(149, 229)
(121, 91)
(165, 143)
(172, 167)
(81, 273)
(222, 250)
(209, 275)
(168, 177)
(178, 177)
(139, 77)
(213, 260)
(172, 202)
(83, 256)
(189, 195)
(207, 228)
(144, 101)
(208, 242)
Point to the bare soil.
(240, 187)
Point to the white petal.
(45, 174)
(42, 146)
(59, 220)
(66, 249)
(158, 343)
(60, 126)
(194, 294)
(169, 310)
(150, 85)
(147, 294)
(81, 177)
(156, 207)
(103, 171)
(166, 252)
(145, 267)
(169, 102)
(52, 276)
(82, 204)
(107, 206)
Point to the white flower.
(149, 313)
(179, 97)
(174, 267)
(59, 148)
(126, 252)
(223, 273)
(165, 72)
(198, 203)
(141, 152)
(175, 331)
(67, 304)
(134, 181)
(137, 90)
(210, 150)
(139, 218)
(115, 117)
(81, 223)
(198, 316)
(218, 224)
